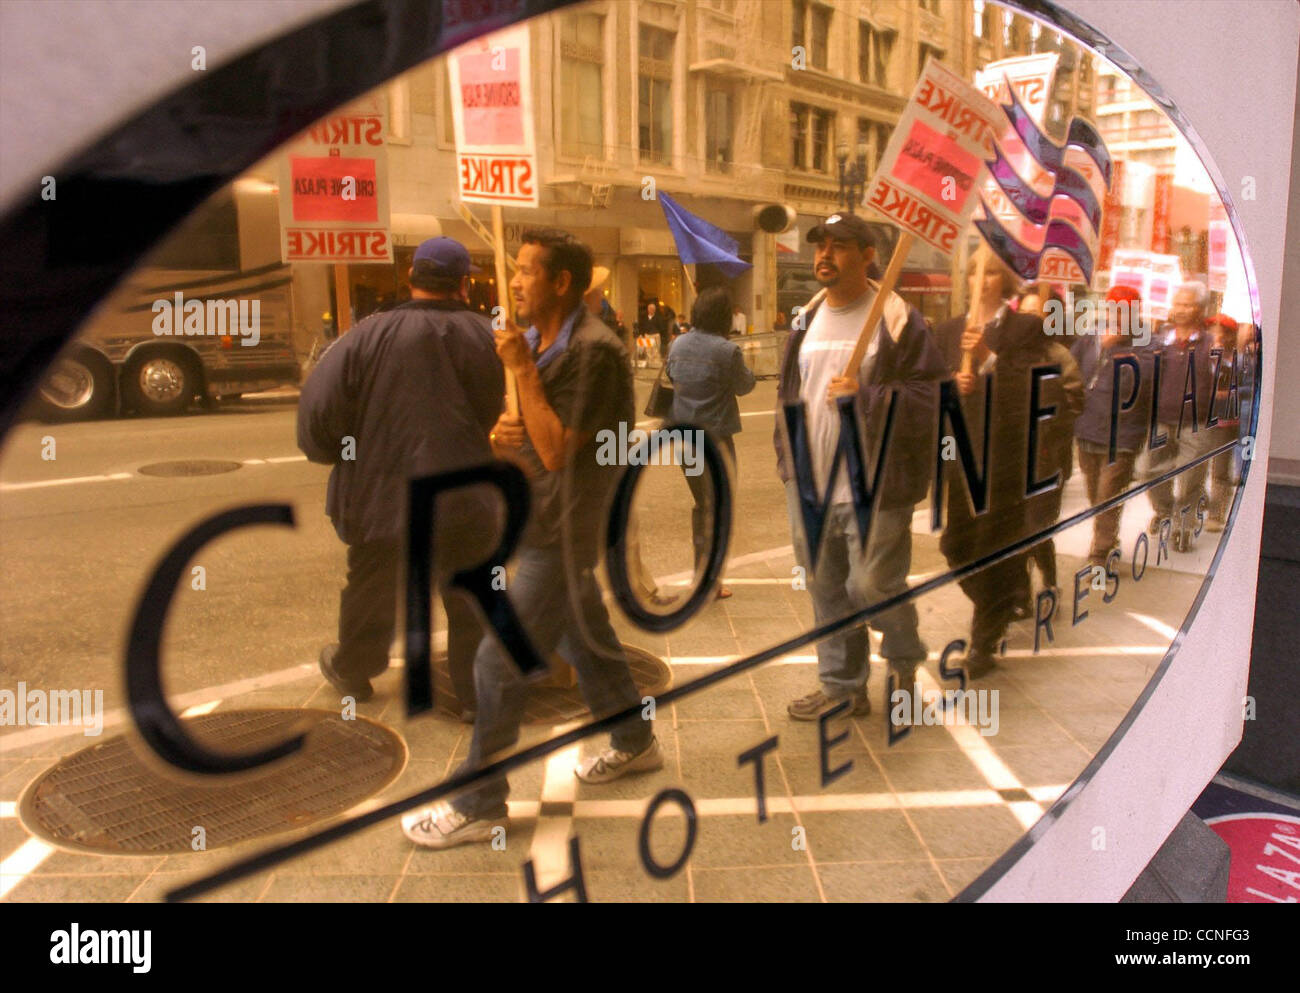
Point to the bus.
(226, 257)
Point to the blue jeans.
(846, 581)
(540, 596)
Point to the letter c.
(159, 727)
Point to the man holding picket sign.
(852, 492)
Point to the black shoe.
(980, 664)
(359, 689)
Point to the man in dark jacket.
(1186, 393)
(409, 392)
(1096, 355)
(901, 358)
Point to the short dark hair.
(564, 253)
(712, 311)
(424, 276)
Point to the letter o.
(1145, 545)
(616, 541)
(688, 808)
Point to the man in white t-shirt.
(901, 358)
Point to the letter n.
(977, 485)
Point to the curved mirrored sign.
(695, 451)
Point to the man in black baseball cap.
(409, 392)
(844, 227)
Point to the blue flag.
(699, 241)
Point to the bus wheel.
(160, 385)
(78, 387)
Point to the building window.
(821, 31)
(874, 46)
(719, 127)
(823, 124)
(448, 131)
(924, 52)
(800, 118)
(931, 5)
(812, 23)
(983, 20)
(654, 94)
(582, 93)
(875, 136)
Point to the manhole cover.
(549, 704)
(107, 799)
(189, 467)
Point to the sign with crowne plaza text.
(928, 178)
(334, 189)
(492, 110)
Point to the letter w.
(848, 449)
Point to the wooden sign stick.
(972, 312)
(503, 295)
(887, 282)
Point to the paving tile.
(739, 840)
(156, 887)
(960, 873)
(381, 850)
(860, 836)
(932, 770)
(328, 889)
(16, 774)
(732, 700)
(12, 835)
(803, 772)
(481, 888)
(104, 888)
(966, 832)
(635, 887)
(709, 755)
(1045, 766)
(66, 863)
(610, 844)
(882, 882)
(765, 885)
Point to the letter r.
(476, 581)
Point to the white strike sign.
(492, 109)
(334, 188)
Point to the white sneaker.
(443, 826)
(610, 764)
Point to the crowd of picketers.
(990, 401)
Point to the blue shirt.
(708, 372)
(534, 338)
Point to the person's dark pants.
(539, 592)
(368, 617)
(702, 493)
(1103, 482)
(995, 592)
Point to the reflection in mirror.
(869, 396)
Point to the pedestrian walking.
(708, 373)
(409, 392)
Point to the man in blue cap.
(409, 392)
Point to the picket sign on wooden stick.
(503, 295)
(886, 287)
(977, 295)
